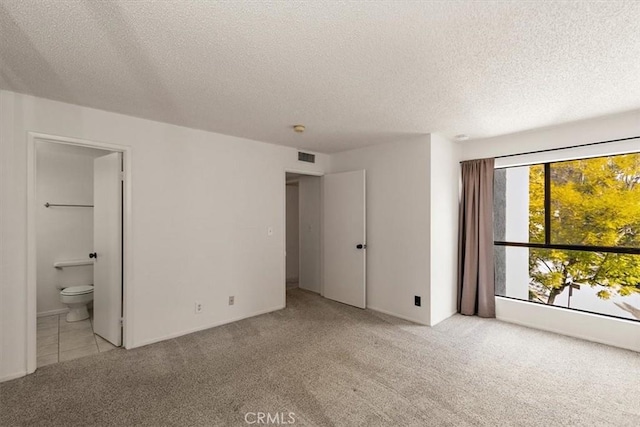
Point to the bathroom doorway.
(75, 249)
(303, 232)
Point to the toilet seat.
(77, 290)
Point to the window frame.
(562, 246)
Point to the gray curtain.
(476, 285)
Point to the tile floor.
(59, 340)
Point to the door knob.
(361, 246)
(93, 255)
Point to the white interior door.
(107, 244)
(344, 232)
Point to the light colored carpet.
(334, 365)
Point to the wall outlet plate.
(232, 300)
(198, 307)
(416, 300)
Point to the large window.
(568, 234)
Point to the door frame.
(284, 228)
(127, 238)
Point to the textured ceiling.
(355, 73)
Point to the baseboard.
(202, 328)
(13, 376)
(53, 312)
(379, 310)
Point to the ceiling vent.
(306, 157)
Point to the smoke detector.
(298, 128)
(461, 137)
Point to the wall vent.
(306, 157)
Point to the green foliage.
(594, 202)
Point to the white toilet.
(77, 298)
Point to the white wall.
(445, 195)
(517, 230)
(309, 191)
(398, 224)
(605, 330)
(64, 175)
(621, 333)
(12, 246)
(201, 206)
(412, 225)
(292, 243)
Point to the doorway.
(325, 235)
(303, 232)
(75, 249)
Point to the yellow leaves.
(536, 203)
(594, 202)
(626, 291)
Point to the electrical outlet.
(269, 231)
(232, 300)
(198, 308)
(416, 300)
